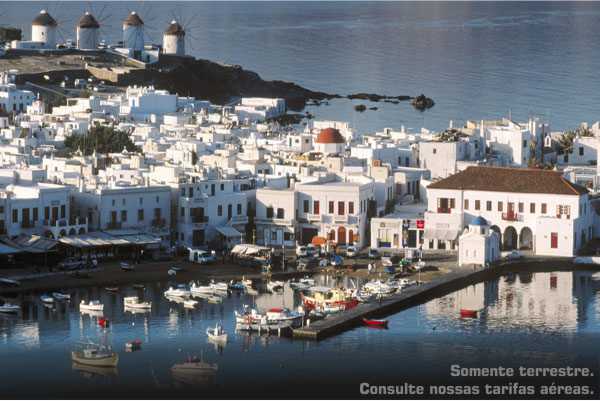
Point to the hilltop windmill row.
(44, 34)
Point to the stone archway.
(497, 230)
(81, 231)
(72, 231)
(526, 239)
(48, 234)
(62, 233)
(341, 235)
(510, 239)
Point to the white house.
(11, 98)
(330, 141)
(478, 245)
(531, 209)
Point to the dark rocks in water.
(373, 97)
(360, 108)
(422, 102)
(373, 108)
(392, 101)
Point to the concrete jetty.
(410, 296)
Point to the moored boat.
(133, 345)
(95, 355)
(275, 286)
(213, 299)
(468, 313)
(180, 291)
(9, 308)
(93, 306)
(217, 334)
(135, 303)
(328, 299)
(59, 296)
(47, 299)
(190, 303)
(127, 266)
(382, 324)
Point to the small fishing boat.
(213, 299)
(201, 289)
(135, 303)
(468, 313)
(127, 266)
(10, 282)
(237, 285)
(180, 291)
(9, 308)
(171, 272)
(382, 324)
(219, 287)
(94, 306)
(95, 355)
(284, 315)
(217, 334)
(190, 303)
(275, 286)
(194, 371)
(59, 296)
(134, 345)
(47, 299)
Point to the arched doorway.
(81, 231)
(72, 231)
(351, 237)
(48, 234)
(510, 239)
(341, 235)
(526, 238)
(331, 236)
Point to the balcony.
(510, 216)
(238, 220)
(445, 210)
(340, 218)
(313, 217)
(274, 220)
(158, 223)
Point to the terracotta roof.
(330, 135)
(133, 20)
(503, 179)
(175, 28)
(88, 21)
(44, 19)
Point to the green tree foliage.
(565, 142)
(102, 139)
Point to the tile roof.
(503, 179)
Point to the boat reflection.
(90, 372)
(194, 372)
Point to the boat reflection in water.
(194, 372)
(90, 372)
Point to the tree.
(102, 139)
(565, 141)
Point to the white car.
(386, 261)
(202, 257)
(351, 251)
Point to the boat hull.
(109, 361)
(380, 324)
(468, 313)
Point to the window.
(331, 207)
(15, 216)
(466, 207)
(532, 208)
(488, 206)
(123, 202)
(350, 207)
(452, 204)
(123, 215)
(113, 202)
(35, 214)
(581, 151)
(477, 205)
(563, 210)
(222, 187)
(500, 206)
(434, 151)
(521, 207)
(142, 199)
(239, 209)
(182, 213)
(280, 213)
(524, 143)
(157, 199)
(273, 235)
(316, 207)
(269, 213)
(141, 214)
(341, 210)
(544, 208)
(46, 213)
(63, 211)
(306, 206)
(1, 209)
(220, 210)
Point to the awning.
(228, 231)
(8, 250)
(32, 244)
(316, 240)
(441, 234)
(249, 249)
(100, 238)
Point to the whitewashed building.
(478, 245)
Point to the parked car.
(351, 251)
(386, 261)
(202, 257)
(373, 253)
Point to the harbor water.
(525, 319)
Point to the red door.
(553, 240)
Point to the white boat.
(180, 291)
(47, 299)
(9, 281)
(275, 286)
(249, 316)
(246, 282)
(283, 315)
(9, 308)
(219, 287)
(379, 288)
(95, 355)
(190, 303)
(171, 272)
(135, 303)
(201, 289)
(213, 299)
(217, 334)
(59, 296)
(126, 266)
(91, 306)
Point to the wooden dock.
(409, 297)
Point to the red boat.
(103, 322)
(469, 313)
(382, 324)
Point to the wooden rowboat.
(382, 324)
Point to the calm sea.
(476, 60)
(533, 320)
